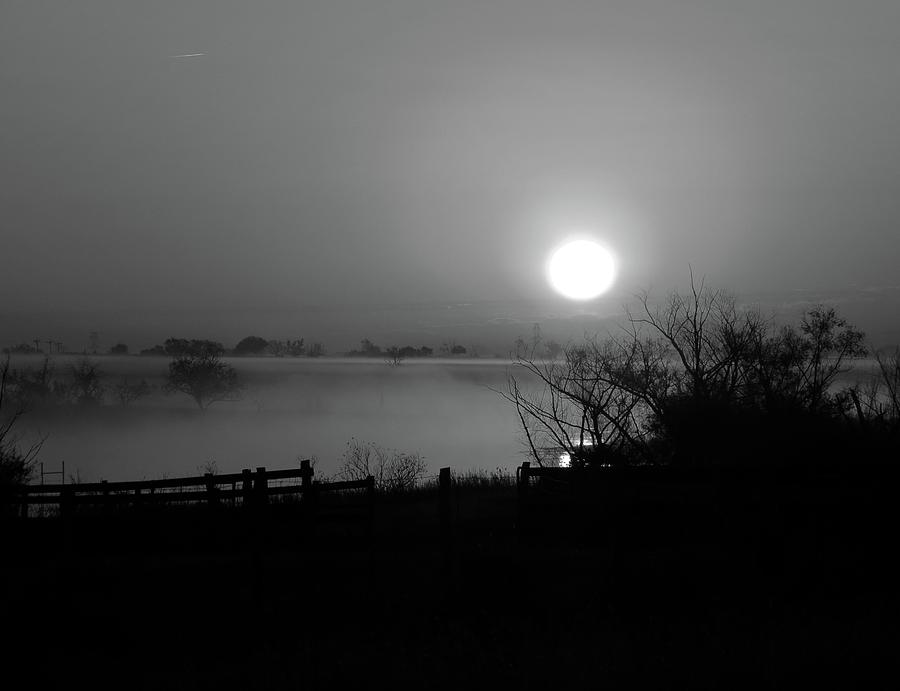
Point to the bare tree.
(876, 402)
(393, 471)
(16, 462)
(798, 367)
(198, 371)
(129, 393)
(29, 387)
(579, 406)
(85, 387)
(889, 369)
(316, 350)
(703, 334)
(683, 380)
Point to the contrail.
(187, 55)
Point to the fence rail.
(251, 487)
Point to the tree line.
(257, 346)
(195, 369)
(249, 346)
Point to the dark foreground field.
(632, 584)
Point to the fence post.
(212, 492)
(306, 476)
(446, 525)
(444, 487)
(261, 487)
(23, 507)
(523, 475)
(312, 502)
(370, 496)
(65, 502)
(246, 487)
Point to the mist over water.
(444, 410)
(448, 411)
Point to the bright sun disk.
(581, 270)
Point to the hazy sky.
(343, 153)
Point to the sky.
(332, 159)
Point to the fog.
(444, 410)
(448, 411)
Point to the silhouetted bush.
(315, 350)
(393, 471)
(16, 461)
(287, 348)
(85, 387)
(252, 345)
(30, 386)
(127, 393)
(699, 382)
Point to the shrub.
(393, 471)
(16, 462)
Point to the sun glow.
(581, 270)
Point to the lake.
(444, 410)
(448, 411)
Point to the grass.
(676, 588)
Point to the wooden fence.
(247, 488)
(251, 489)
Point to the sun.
(581, 270)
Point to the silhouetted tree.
(316, 350)
(32, 386)
(129, 393)
(199, 372)
(876, 402)
(287, 347)
(410, 351)
(694, 380)
(119, 349)
(181, 347)
(450, 347)
(295, 348)
(578, 407)
(889, 371)
(252, 345)
(156, 350)
(369, 349)
(16, 462)
(85, 387)
(798, 367)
